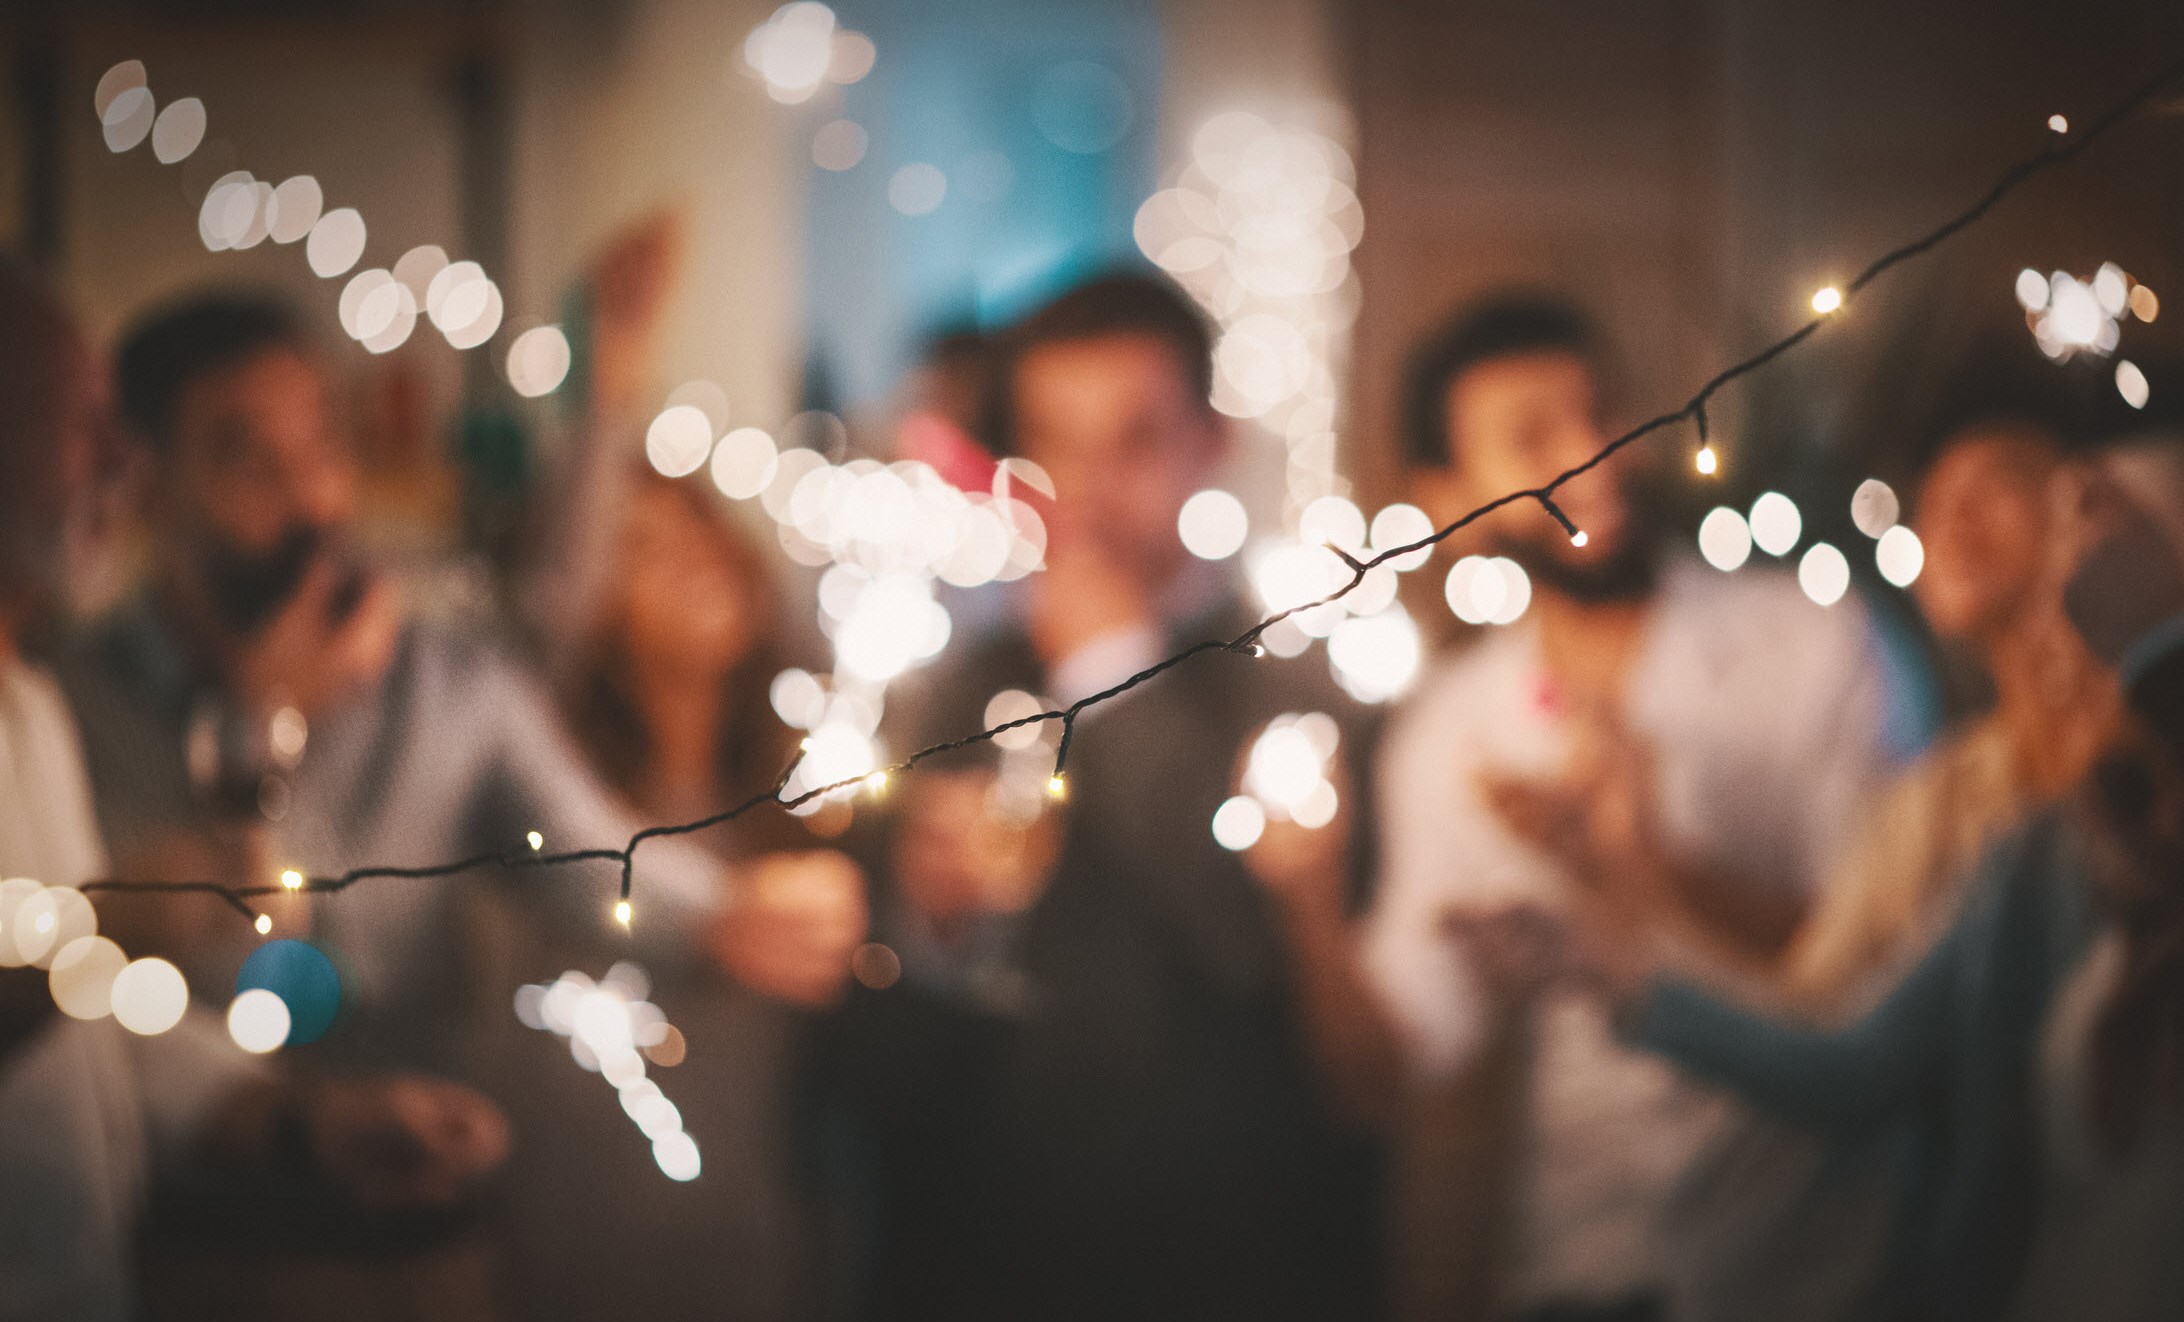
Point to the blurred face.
(685, 604)
(1116, 423)
(1515, 422)
(255, 480)
(1984, 515)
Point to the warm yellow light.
(264, 924)
(1827, 300)
(876, 783)
(1706, 460)
(621, 912)
(1057, 788)
(538, 841)
(2058, 123)
(1579, 538)
(292, 879)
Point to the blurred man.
(1090, 1098)
(270, 673)
(1649, 726)
(94, 1113)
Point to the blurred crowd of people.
(1660, 961)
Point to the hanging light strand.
(2056, 150)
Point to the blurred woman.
(670, 691)
(2034, 1057)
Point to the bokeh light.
(178, 130)
(917, 189)
(1824, 574)
(15, 892)
(1375, 658)
(1213, 525)
(2131, 383)
(1874, 507)
(2032, 290)
(1776, 523)
(679, 440)
(303, 977)
(149, 996)
(1332, 521)
(336, 242)
(1900, 556)
(120, 78)
(1487, 590)
(744, 462)
(612, 1030)
(1400, 525)
(82, 977)
(128, 119)
(258, 1021)
(1238, 823)
(538, 361)
(47, 921)
(852, 58)
(1082, 107)
(792, 50)
(296, 206)
(1725, 539)
(839, 145)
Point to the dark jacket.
(1136, 1133)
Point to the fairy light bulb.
(1827, 300)
(292, 879)
(264, 924)
(2058, 124)
(1580, 537)
(1706, 461)
(536, 840)
(621, 912)
(1057, 788)
(876, 783)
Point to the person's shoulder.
(1479, 679)
(120, 659)
(1760, 616)
(31, 688)
(460, 661)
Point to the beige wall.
(619, 109)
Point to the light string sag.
(2062, 147)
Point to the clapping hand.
(793, 924)
(403, 1141)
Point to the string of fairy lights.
(55, 927)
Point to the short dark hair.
(2004, 381)
(1128, 302)
(170, 349)
(1501, 326)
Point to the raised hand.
(794, 921)
(402, 1140)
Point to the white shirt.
(1765, 717)
(84, 1107)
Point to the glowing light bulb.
(876, 783)
(1706, 461)
(2058, 123)
(1579, 538)
(264, 924)
(292, 879)
(1057, 788)
(537, 841)
(1827, 300)
(621, 912)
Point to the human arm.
(786, 925)
(1351, 1033)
